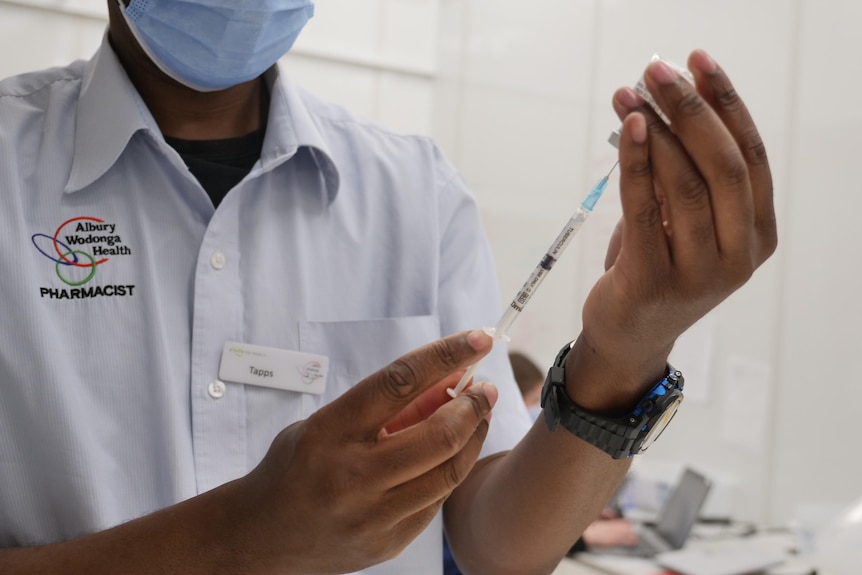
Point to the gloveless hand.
(698, 219)
(353, 484)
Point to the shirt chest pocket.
(356, 349)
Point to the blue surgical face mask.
(214, 44)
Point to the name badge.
(272, 367)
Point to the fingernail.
(662, 73)
(478, 339)
(637, 128)
(490, 391)
(704, 62)
(629, 98)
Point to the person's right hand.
(357, 481)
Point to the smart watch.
(619, 437)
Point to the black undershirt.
(219, 165)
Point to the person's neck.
(187, 114)
(180, 111)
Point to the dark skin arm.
(348, 478)
(341, 479)
(409, 448)
(698, 219)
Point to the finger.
(362, 411)
(718, 187)
(439, 481)
(715, 87)
(641, 210)
(423, 406)
(625, 101)
(416, 450)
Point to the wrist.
(619, 435)
(610, 385)
(232, 528)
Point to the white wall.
(518, 95)
(376, 56)
(33, 37)
(523, 107)
(819, 341)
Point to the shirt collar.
(291, 126)
(110, 111)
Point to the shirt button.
(216, 389)
(217, 260)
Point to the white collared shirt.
(121, 283)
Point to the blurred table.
(785, 542)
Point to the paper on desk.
(619, 564)
(744, 422)
(737, 557)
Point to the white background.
(518, 95)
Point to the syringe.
(500, 331)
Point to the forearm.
(688, 239)
(536, 501)
(533, 504)
(196, 536)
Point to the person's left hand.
(610, 533)
(698, 219)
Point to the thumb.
(376, 400)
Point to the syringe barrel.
(523, 296)
(538, 275)
(568, 232)
(509, 317)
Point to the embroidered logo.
(78, 248)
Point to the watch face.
(661, 423)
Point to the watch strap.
(620, 437)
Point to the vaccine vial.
(641, 89)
